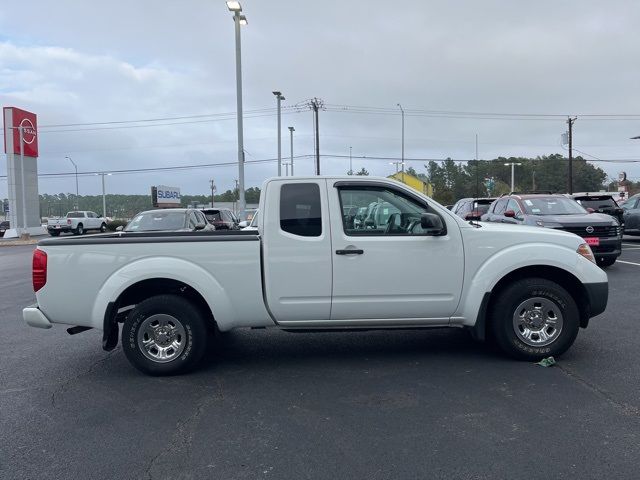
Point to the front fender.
(164, 267)
(515, 257)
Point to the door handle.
(349, 252)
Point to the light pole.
(76, 167)
(104, 196)
(213, 190)
(291, 130)
(279, 97)
(513, 165)
(286, 165)
(239, 20)
(402, 110)
(397, 164)
(350, 163)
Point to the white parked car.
(529, 289)
(77, 222)
(250, 226)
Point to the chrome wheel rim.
(538, 321)
(161, 338)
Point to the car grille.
(600, 232)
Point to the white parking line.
(629, 263)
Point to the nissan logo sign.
(28, 131)
(589, 229)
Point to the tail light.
(68, 221)
(39, 272)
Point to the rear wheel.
(164, 335)
(605, 262)
(103, 227)
(534, 318)
(54, 233)
(79, 229)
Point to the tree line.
(126, 206)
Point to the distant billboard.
(165, 197)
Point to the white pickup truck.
(410, 264)
(77, 222)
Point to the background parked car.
(4, 226)
(472, 208)
(252, 225)
(169, 220)
(631, 215)
(600, 203)
(602, 232)
(77, 222)
(221, 218)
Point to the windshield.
(156, 221)
(552, 206)
(481, 207)
(597, 202)
(213, 216)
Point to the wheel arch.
(565, 279)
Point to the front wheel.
(164, 335)
(534, 318)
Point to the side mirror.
(510, 214)
(200, 225)
(590, 210)
(432, 223)
(120, 228)
(243, 224)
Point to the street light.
(397, 164)
(76, 167)
(239, 20)
(513, 164)
(279, 97)
(291, 130)
(104, 197)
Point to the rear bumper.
(35, 318)
(66, 228)
(598, 294)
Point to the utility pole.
(477, 170)
(315, 105)
(213, 189)
(570, 122)
(237, 190)
(291, 130)
(402, 110)
(77, 206)
(279, 97)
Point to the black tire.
(79, 230)
(510, 299)
(54, 233)
(187, 316)
(103, 228)
(605, 262)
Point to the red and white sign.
(29, 124)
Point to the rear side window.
(500, 207)
(300, 209)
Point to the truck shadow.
(273, 347)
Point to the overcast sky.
(83, 62)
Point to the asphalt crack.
(622, 407)
(182, 439)
(62, 388)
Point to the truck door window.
(300, 209)
(388, 212)
(513, 205)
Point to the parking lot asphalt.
(270, 404)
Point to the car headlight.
(585, 251)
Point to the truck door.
(388, 268)
(297, 250)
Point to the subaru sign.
(164, 196)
